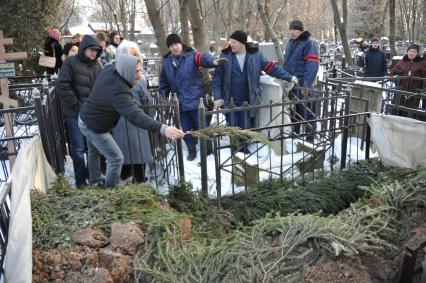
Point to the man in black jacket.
(111, 98)
(75, 81)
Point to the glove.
(294, 80)
(218, 102)
(220, 61)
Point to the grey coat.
(134, 142)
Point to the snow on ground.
(265, 158)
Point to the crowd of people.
(101, 88)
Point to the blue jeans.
(189, 121)
(78, 149)
(240, 119)
(102, 143)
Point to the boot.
(192, 150)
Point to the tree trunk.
(345, 13)
(157, 24)
(230, 19)
(342, 33)
(266, 7)
(392, 27)
(123, 19)
(184, 18)
(132, 21)
(424, 15)
(414, 19)
(385, 12)
(243, 15)
(405, 17)
(199, 35)
(267, 25)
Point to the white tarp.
(30, 171)
(400, 141)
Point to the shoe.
(192, 151)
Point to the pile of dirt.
(94, 258)
(383, 266)
(340, 270)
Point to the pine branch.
(235, 133)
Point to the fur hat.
(414, 46)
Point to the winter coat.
(375, 64)
(76, 78)
(111, 98)
(53, 48)
(134, 142)
(415, 68)
(256, 63)
(301, 59)
(185, 79)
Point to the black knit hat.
(296, 25)
(414, 46)
(239, 36)
(173, 38)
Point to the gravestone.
(365, 90)
(5, 99)
(274, 91)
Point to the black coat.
(53, 48)
(76, 78)
(375, 63)
(111, 98)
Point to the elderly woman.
(53, 48)
(410, 65)
(134, 142)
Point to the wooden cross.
(5, 99)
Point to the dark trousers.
(304, 111)
(78, 149)
(239, 119)
(138, 172)
(189, 122)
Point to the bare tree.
(157, 24)
(243, 15)
(392, 27)
(342, 32)
(230, 10)
(345, 13)
(132, 19)
(199, 33)
(184, 18)
(268, 27)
